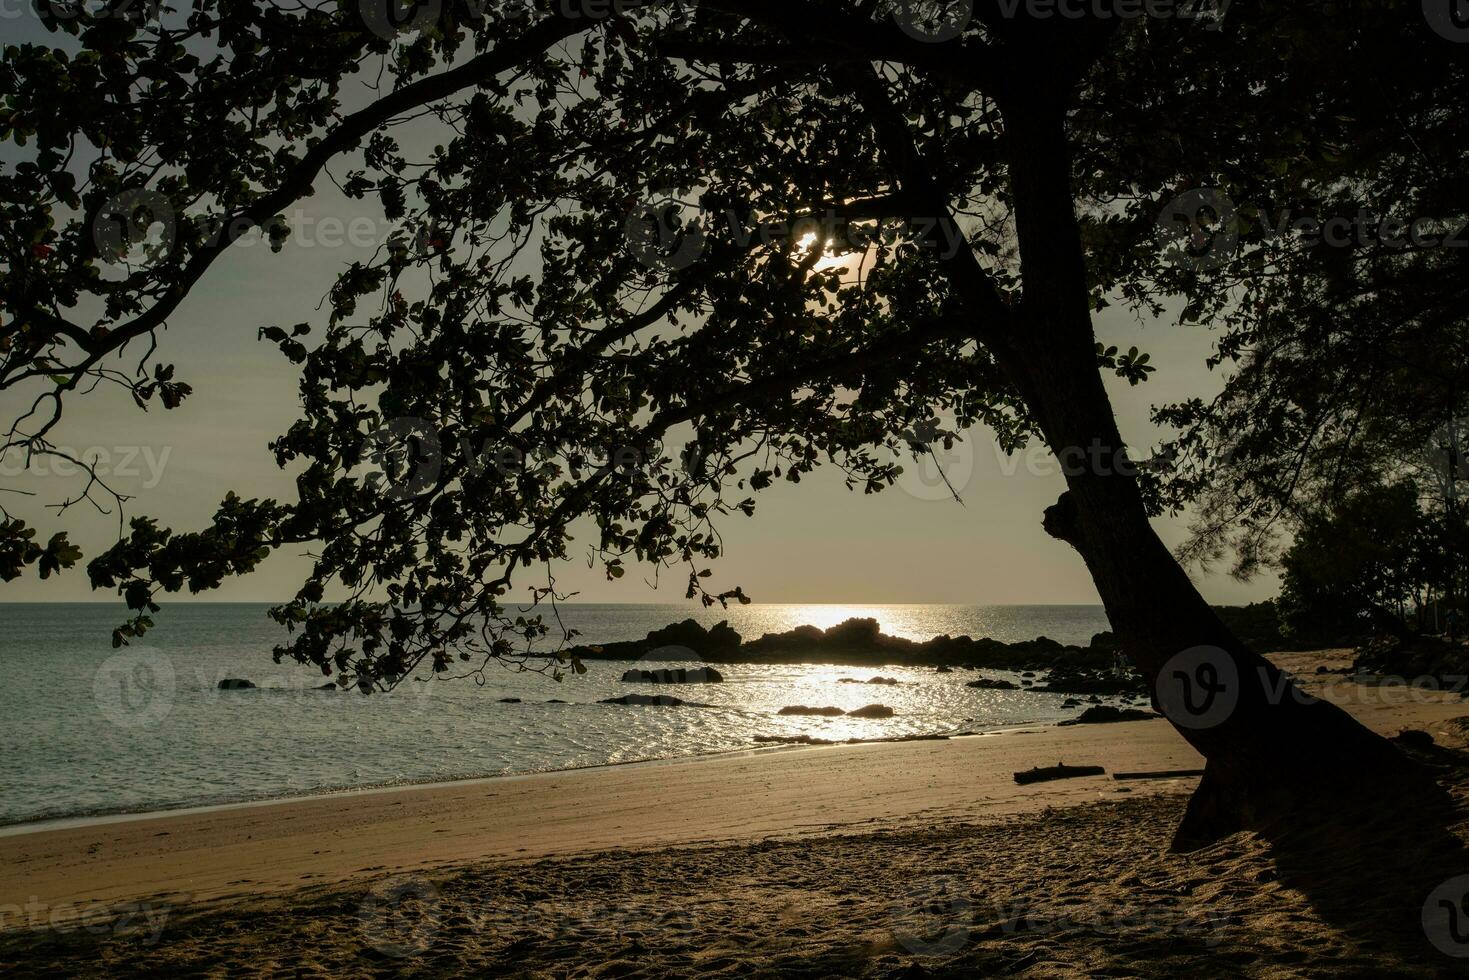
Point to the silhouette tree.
(657, 257)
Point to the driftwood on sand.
(1061, 771)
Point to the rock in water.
(801, 709)
(1106, 714)
(674, 675)
(236, 684)
(793, 740)
(872, 711)
(663, 700)
(993, 684)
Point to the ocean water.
(87, 730)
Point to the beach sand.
(916, 858)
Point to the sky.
(808, 543)
(812, 542)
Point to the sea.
(86, 730)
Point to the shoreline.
(241, 853)
(20, 828)
(247, 854)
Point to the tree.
(554, 335)
(1361, 563)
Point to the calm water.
(85, 729)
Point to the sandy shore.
(664, 850)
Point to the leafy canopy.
(652, 258)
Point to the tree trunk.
(1269, 747)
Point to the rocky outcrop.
(861, 643)
(872, 711)
(236, 684)
(856, 642)
(675, 642)
(674, 675)
(876, 680)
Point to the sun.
(829, 259)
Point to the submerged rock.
(239, 684)
(802, 709)
(510, 700)
(872, 711)
(674, 675)
(793, 740)
(662, 700)
(993, 684)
